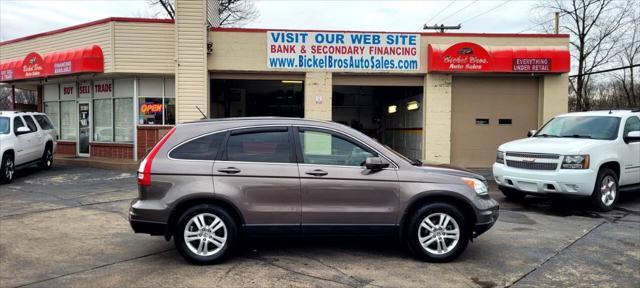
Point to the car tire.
(605, 193)
(46, 162)
(440, 244)
(211, 242)
(7, 168)
(512, 194)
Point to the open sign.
(150, 108)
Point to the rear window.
(263, 146)
(201, 148)
(4, 125)
(44, 122)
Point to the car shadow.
(563, 206)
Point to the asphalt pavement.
(67, 227)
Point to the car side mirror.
(375, 164)
(22, 130)
(632, 136)
(531, 133)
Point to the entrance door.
(84, 128)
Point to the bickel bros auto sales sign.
(342, 51)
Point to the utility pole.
(557, 26)
(441, 27)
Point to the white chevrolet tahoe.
(25, 138)
(590, 154)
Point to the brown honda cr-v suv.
(208, 183)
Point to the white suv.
(25, 138)
(584, 154)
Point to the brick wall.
(111, 150)
(148, 136)
(66, 148)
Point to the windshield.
(4, 125)
(592, 127)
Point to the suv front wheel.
(605, 192)
(7, 168)
(47, 158)
(205, 234)
(437, 233)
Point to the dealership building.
(113, 87)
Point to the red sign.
(84, 60)
(466, 56)
(471, 57)
(32, 66)
(532, 64)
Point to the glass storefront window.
(156, 102)
(123, 119)
(151, 110)
(68, 120)
(103, 120)
(52, 109)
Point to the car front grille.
(531, 165)
(533, 155)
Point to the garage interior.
(489, 111)
(389, 114)
(245, 98)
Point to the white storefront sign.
(103, 88)
(342, 51)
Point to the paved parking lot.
(68, 227)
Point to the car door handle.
(317, 172)
(229, 170)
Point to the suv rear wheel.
(605, 192)
(47, 158)
(205, 234)
(437, 233)
(7, 168)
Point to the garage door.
(488, 111)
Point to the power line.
(454, 13)
(445, 8)
(606, 70)
(485, 12)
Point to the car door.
(23, 145)
(630, 173)
(36, 148)
(257, 168)
(338, 193)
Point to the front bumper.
(486, 217)
(572, 182)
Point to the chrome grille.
(533, 155)
(531, 165)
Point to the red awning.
(471, 57)
(82, 60)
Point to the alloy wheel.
(8, 169)
(608, 190)
(439, 233)
(49, 158)
(205, 234)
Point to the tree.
(231, 12)
(594, 27)
(630, 56)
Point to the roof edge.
(87, 24)
(453, 34)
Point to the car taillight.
(144, 171)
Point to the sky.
(23, 17)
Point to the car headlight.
(575, 162)
(477, 185)
(500, 157)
